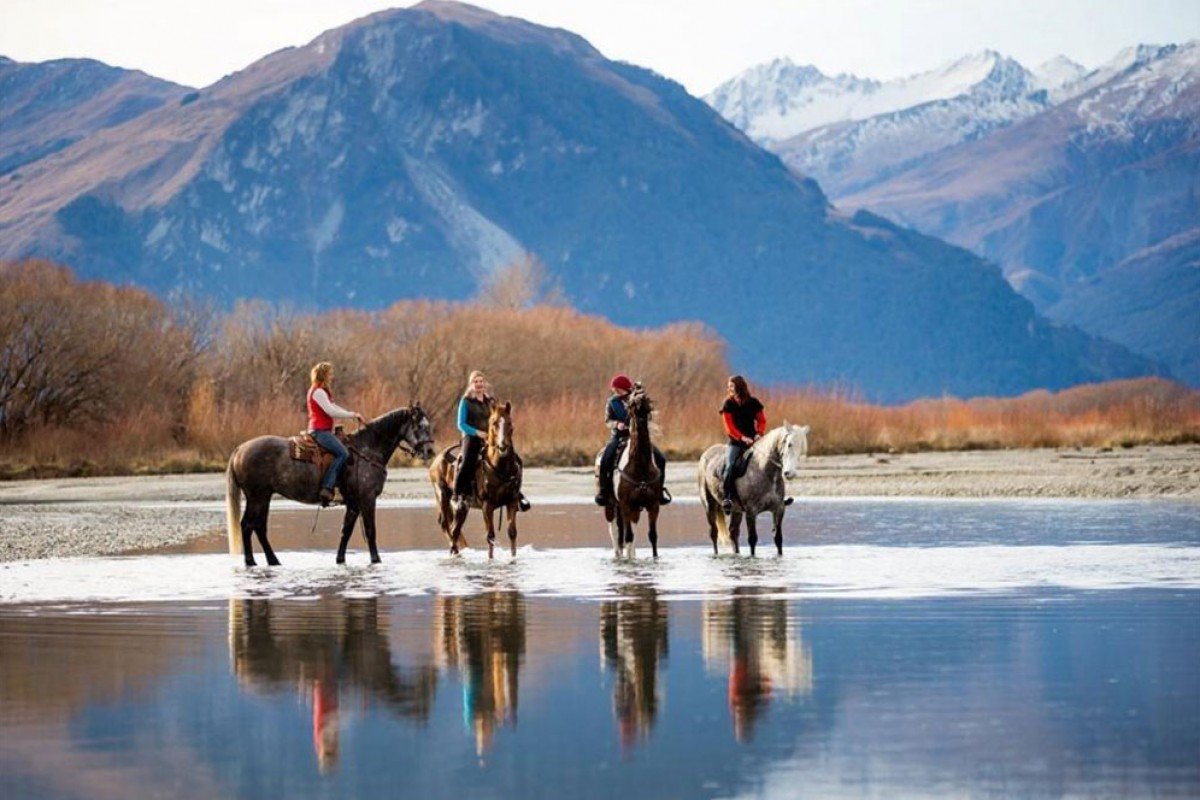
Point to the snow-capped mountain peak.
(778, 100)
(1058, 72)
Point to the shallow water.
(897, 649)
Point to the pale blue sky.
(696, 43)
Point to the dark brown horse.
(264, 467)
(638, 482)
(497, 484)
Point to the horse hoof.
(788, 501)
(340, 561)
(376, 560)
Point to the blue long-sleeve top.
(463, 426)
(616, 411)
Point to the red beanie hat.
(621, 382)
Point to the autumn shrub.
(96, 378)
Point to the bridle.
(398, 444)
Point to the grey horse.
(263, 467)
(773, 460)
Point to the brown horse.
(497, 484)
(638, 482)
(263, 467)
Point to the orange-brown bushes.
(100, 379)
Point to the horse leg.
(630, 520)
(735, 529)
(489, 522)
(261, 530)
(457, 540)
(254, 508)
(348, 521)
(652, 518)
(777, 524)
(368, 516)
(751, 532)
(512, 527)
(710, 512)
(614, 529)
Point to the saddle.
(740, 466)
(303, 447)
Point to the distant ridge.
(413, 152)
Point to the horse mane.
(382, 429)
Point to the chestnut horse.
(497, 484)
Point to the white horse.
(763, 487)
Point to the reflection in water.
(483, 637)
(324, 649)
(633, 641)
(754, 640)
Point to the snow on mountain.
(407, 153)
(1057, 74)
(779, 100)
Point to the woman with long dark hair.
(745, 421)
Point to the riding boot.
(326, 497)
(522, 503)
(604, 489)
(665, 498)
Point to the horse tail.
(233, 510)
(722, 524)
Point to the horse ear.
(805, 429)
(507, 407)
(416, 404)
(787, 426)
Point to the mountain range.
(1082, 185)
(414, 152)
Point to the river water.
(898, 648)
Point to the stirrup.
(665, 499)
(523, 504)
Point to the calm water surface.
(919, 649)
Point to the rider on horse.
(474, 408)
(744, 423)
(322, 411)
(616, 417)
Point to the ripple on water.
(859, 571)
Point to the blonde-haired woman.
(322, 411)
(474, 409)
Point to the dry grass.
(192, 390)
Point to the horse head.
(418, 433)
(639, 403)
(500, 429)
(794, 446)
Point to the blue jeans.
(331, 443)
(733, 453)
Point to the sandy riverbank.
(93, 516)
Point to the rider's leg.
(733, 452)
(331, 443)
(464, 481)
(522, 503)
(660, 461)
(608, 460)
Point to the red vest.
(318, 420)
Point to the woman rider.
(474, 409)
(744, 423)
(616, 417)
(322, 411)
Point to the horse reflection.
(325, 650)
(633, 642)
(754, 641)
(483, 637)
